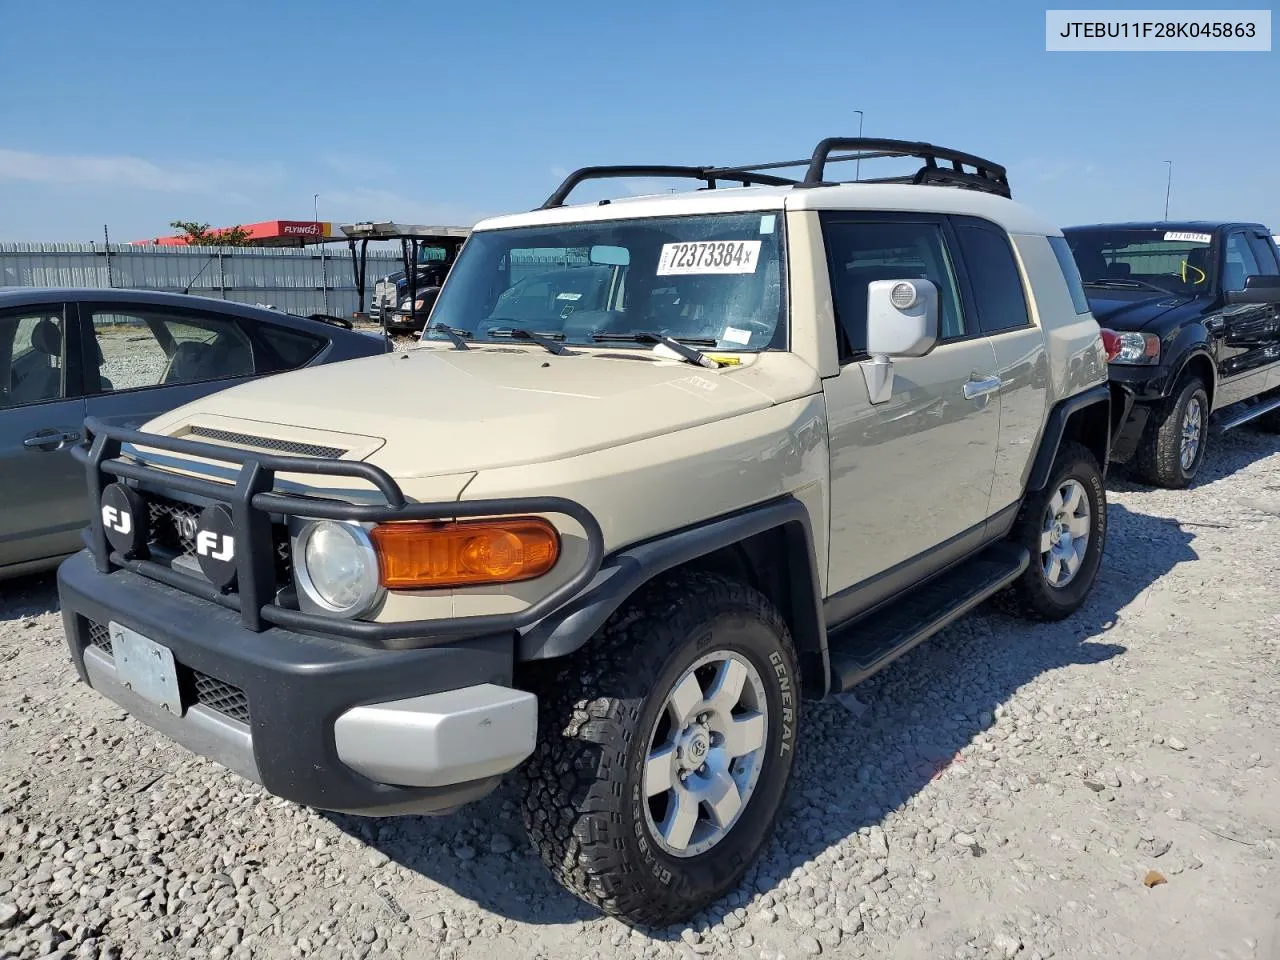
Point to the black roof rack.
(986, 176)
(709, 175)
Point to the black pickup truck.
(1190, 313)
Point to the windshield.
(1155, 260)
(714, 278)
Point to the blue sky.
(140, 113)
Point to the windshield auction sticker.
(709, 256)
(1199, 31)
(1189, 237)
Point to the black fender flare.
(1055, 427)
(624, 572)
(1187, 349)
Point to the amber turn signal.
(424, 555)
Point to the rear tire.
(598, 806)
(1051, 524)
(1172, 449)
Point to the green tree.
(200, 234)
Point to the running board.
(870, 643)
(1249, 413)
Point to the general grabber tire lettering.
(1072, 505)
(602, 748)
(1161, 459)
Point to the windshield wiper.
(1127, 285)
(679, 346)
(547, 340)
(459, 337)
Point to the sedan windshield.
(714, 278)
(1157, 261)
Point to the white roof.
(1014, 217)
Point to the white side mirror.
(902, 318)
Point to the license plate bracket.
(145, 667)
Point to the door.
(145, 359)
(995, 294)
(1246, 331)
(45, 500)
(1268, 257)
(915, 470)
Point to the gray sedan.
(124, 356)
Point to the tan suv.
(660, 467)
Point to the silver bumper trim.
(201, 730)
(441, 738)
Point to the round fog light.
(337, 568)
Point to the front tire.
(1064, 526)
(666, 749)
(1173, 449)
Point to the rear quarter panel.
(1077, 359)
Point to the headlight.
(336, 567)
(1131, 347)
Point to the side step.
(871, 642)
(1251, 412)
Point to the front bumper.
(1135, 390)
(319, 721)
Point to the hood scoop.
(290, 448)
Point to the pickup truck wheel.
(666, 749)
(1065, 528)
(1172, 449)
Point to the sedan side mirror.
(902, 321)
(1257, 289)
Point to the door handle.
(980, 388)
(47, 437)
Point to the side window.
(994, 278)
(1238, 262)
(32, 357)
(1267, 254)
(860, 251)
(291, 348)
(142, 347)
(1070, 273)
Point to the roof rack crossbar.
(708, 175)
(988, 176)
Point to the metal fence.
(298, 280)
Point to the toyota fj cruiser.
(609, 533)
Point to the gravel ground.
(1104, 787)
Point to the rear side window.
(1070, 273)
(1264, 249)
(994, 278)
(289, 348)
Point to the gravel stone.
(973, 751)
(809, 945)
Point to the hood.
(434, 410)
(1125, 311)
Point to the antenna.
(187, 288)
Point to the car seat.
(1196, 271)
(44, 382)
(1091, 263)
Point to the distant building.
(268, 233)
